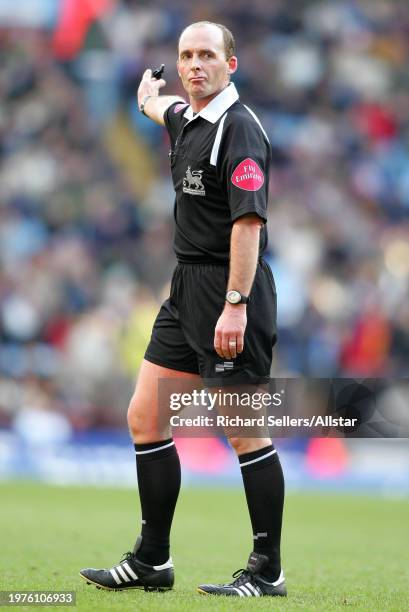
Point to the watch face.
(233, 297)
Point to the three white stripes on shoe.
(123, 575)
(248, 590)
(251, 590)
(124, 572)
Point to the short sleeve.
(173, 117)
(243, 167)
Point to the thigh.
(202, 304)
(241, 411)
(261, 331)
(147, 417)
(168, 346)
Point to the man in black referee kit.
(219, 321)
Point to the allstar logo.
(192, 183)
(248, 175)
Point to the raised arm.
(154, 105)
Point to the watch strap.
(143, 103)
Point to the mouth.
(197, 79)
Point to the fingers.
(233, 347)
(218, 343)
(147, 76)
(149, 86)
(228, 345)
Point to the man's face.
(202, 64)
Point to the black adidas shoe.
(248, 582)
(130, 573)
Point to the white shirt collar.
(216, 107)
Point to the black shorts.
(183, 333)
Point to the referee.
(219, 320)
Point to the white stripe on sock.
(259, 458)
(166, 565)
(280, 579)
(252, 589)
(122, 573)
(154, 450)
(115, 576)
(130, 571)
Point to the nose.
(196, 64)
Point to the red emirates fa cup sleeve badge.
(248, 175)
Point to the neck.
(199, 104)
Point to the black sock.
(158, 470)
(264, 486)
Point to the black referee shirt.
(220, 160)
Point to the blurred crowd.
(86, 198)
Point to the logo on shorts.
(248, 175)
(192, 183)
(225, 366)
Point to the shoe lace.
(128, 556)
(242, 576)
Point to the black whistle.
(157, 74)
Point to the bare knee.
(132, 417)
(248, 445)
(143, 422)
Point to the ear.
(177, 66)
(232, 64)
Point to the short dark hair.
(228, 38)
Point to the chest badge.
(192, 183)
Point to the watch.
(142, 106)
(235, 297)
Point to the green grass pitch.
(339, 551)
